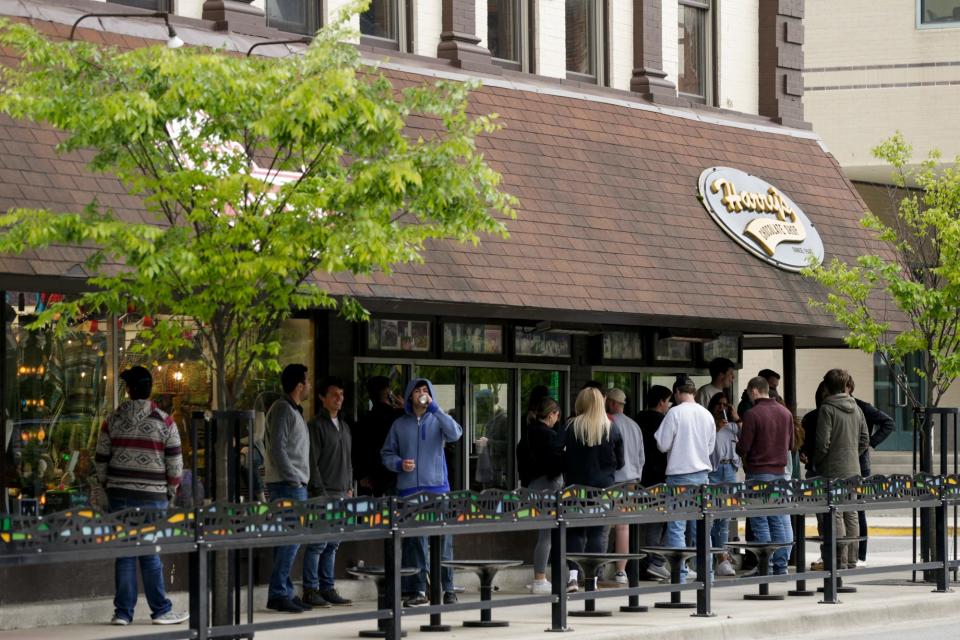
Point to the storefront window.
(149, 5)
(692, 48)
(530, 343)
(619, 380)
(553, 380)
(56, 395)
(491, 420)
(476, 338)
(398, 335)
(727, 346)
(673, 350)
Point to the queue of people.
(687, 436)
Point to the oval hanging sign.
(760, 218)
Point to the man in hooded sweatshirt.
(842, 437)
(414, 450)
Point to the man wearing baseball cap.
(139, 463)
(633, 459)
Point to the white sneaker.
(172, 617)
(541, 587)
(861, 564)
(117, 621)
(572, 586)
(725, 569)
(621, 578)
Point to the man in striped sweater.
(139, 463)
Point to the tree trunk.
(222, 602)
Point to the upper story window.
(150, 5)
(507, 30)
(585, 36)
(295, 16)
(938, 13)
(383, 24)
(694, 60)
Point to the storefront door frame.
(518, 407)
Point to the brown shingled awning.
(609, 227)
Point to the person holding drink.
(414, 450)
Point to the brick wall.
(738, 62)
(550, 46)
(670, 57)
(620, 27)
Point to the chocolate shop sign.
(760, 218)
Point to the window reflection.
(379, 20)
(295, 16)
(581, 21)
(491, 443)
(504, 29)
(55, 398)
(692, 49)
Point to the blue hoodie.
(422, 440)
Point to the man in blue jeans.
(766, 437)
(287, 472)
(139, 463)
(414, 450)
(687, 435)
(331, 476)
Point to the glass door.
(492, 441)
(553, 379)
(447, 386)
(891, 400)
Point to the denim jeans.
(772, 528)
(151, 570)
(720, 531)
(675, 535)
(281, 586)
(318, 562)
(416, 553)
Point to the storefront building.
(669, 191)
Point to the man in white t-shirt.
(687, 435)
(722, 371)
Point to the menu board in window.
(469, 337)
(544, 345)
(398, 335)
(727, 346)
(622, 345)
(673, 350)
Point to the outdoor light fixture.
(302, 40)
(173, 40)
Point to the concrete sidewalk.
(881, 599)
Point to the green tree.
(259, 173)
(916, 281)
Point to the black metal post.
(927, 517)
(5, 504)
(558, 575)
(704, 561)
(800, 553)
(199, 592)
(830, 556)
(943, 574)
(436, 585)
(633, 573)
(392, 557)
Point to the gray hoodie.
(842, 436)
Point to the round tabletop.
(758, 545)
(481, 564)
(379, 572)
(605, 556)
(676, 550)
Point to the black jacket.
(879, 426)
(655, 464)
(539, 452)
(591, 466)
(366, 451)
(809, 426)
(331, 464)
(745, 404)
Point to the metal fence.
(86, 534)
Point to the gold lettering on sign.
(770, 202)
(769, 233)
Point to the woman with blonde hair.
(593, 452)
